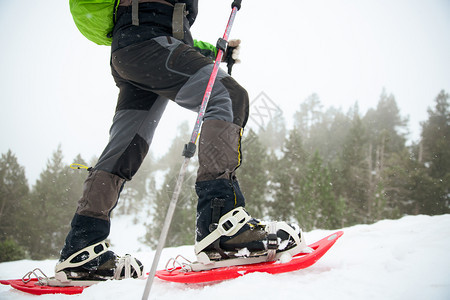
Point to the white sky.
(56, 86)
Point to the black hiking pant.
(149, 74)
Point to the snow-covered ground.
(392, 259)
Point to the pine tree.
(287, 175)
(54, 203)
(310, 113)
(407, 184)
(183, 223)
(386, 131)
(329, 135)
(322, 131)
(385, 126)
(182, 228)
(272, 134)
(253, 174)
(352, 178)
(14, 194)
(316, 206)
(135, 194)
(436, 155)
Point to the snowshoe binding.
(93, 264)
(239, 239)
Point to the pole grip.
(237, 4)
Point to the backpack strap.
(179, 12)
(135, 12)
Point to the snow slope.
(392, 259)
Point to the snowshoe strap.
(229, 224)
(93, 251)
(294, 234)
(272, 241)
(216, 206)
(126, 266)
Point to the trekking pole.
(189, 149)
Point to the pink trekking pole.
(189, 149)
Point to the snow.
(391, 259)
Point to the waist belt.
(179, 12)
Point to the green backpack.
(94, 18)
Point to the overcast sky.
(56, 86)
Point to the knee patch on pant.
(219, 150)
(239, 100)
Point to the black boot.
(85, 255)
(224, 229)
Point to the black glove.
(231, 55)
